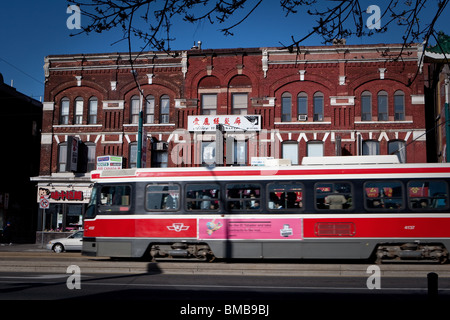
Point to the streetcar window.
(115, 198)
(164, 197)
(245, 196)
(334, 196)
(427, 195)
(383, 195)
(285, 196)
(202, 196)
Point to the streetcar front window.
(91, 210)
(115, 198)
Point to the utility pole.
(139, 146)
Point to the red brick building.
(225, 107)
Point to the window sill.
(77, 125)
(150, 124)
(384, 122)
(303, 122)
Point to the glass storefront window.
(63, 217)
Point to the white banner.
(224, 122)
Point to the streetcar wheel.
(58, 248)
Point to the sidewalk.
(21, 247)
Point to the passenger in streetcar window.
(168, 202)
(242, 196)
(335, 200)
(202, 197)
(232, 205)
(374, 204)
(255, 205)
(206, 203)
(278, 205)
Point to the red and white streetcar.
(364, 208)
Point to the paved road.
(285, 287)
(175, 295)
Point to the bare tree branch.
(151, 20)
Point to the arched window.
(370, 148)
(208, 91)
(366, 106)
(91, 156)
(62, 157)
(93, 106)
(240, 87)
(64, 114)
(383, 106)
(239, 102)
(315, 149)
(135, 109)
(150, 109)
(209, 103)
(302, 106)
(78, 112)
(398, 148)
(286, 107)
(318, 106)
(290, 151)
(132, 156)
(399, 105)
(164, 109)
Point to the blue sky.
(30, 30)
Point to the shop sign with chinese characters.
(224, 122)
(79, 195)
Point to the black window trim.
(228, 200)
(285, 210)
(186, 199)
(178, 209)
(428, 209)
(334, 182)
(384, 210)
(115, 209)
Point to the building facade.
(222, 107)
(438, 97)
(20, 126)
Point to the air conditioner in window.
(302, 117)
(160, 146)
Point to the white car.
(71, 243)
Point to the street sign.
(44, 203)
(109, 162)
